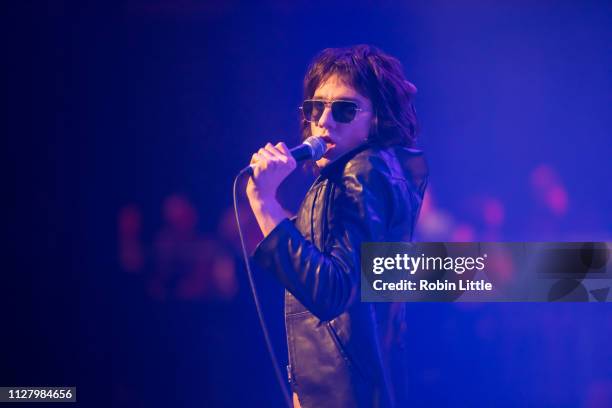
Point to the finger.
(266, 155)
(254, 158)
(274, 151)
(283, 148)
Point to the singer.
(370, 185)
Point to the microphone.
(313, 148)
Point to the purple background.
(127, 123)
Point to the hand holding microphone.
(313, 148)
(273, 163)
(269, 167)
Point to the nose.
(326, 120)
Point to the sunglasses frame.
(329, 103)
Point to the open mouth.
(328, 142)
(329, 146)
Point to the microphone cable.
(262, 322)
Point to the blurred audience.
(185, 264)
(131, 251)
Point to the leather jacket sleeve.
(326, 281)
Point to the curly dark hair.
(378, 77)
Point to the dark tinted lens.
(344, 111)
(313, 110)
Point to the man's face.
(340, 137)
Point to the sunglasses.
(342, 111)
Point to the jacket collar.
(340, 162)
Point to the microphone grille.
(317, 145)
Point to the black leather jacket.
(339, 347)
